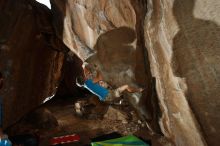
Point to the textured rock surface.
(182, 52)
(30, 66)
(182, 40)
(88, 129)
(117, 115)
(79, 23)
(112, 28)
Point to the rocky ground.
(87, 117)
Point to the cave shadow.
(196, 57)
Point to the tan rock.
(182, 52)
(116, 115)
(84, 21)
(183, 44)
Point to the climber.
(95, 84)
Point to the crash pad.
(130, 140)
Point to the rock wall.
(30, 65)
(175, 41)
(182, 43)
(79, 23)
(113, 29)
(182, 38)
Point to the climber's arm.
(129, 89)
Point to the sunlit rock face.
(30, 66)
(183, 41)
(79, 23)
(182, 48)
(114, 30)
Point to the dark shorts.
(113, 94)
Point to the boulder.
(175, 41)
(31, 66)
(109, 36)
(182, 39)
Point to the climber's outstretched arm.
(129, 89)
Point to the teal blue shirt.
(96, 89)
